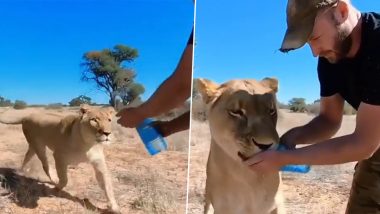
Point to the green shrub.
(5, 102)
(297, 105)
(19, 104)
(77, 101)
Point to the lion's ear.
(271, 83)
(84, 108)
(67, 123)
(110, 110)
(207, 88)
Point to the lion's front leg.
(61, 167)
(104, 180)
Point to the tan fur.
(242, 116)
(73, 139)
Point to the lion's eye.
(272, 112)
(109, 120)
(237, 113)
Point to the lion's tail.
(10, 121)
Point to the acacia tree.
(5, 102)
(107, 69)
(77, 101)
(297, 105)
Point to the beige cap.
(300, 19)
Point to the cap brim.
(297, 36)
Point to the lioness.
(73, 139)
(242, 117)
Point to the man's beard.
(344, 42)
(343, 45)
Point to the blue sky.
(42, 43)
(240, 39)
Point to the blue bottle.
(292, 168)
(151, 138)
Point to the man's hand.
(130, 117)
(163, 127)
(178, 124)
(290, 138)
(266, 161)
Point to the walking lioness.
(73, 139)
(242, 117)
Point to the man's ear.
(341, 12)
(207, 88)
(271, 83)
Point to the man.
(172, 92)
(347, 43)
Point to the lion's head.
(242, 115)
(96, 123)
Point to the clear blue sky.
(42, 43)
(241, 38)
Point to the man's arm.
(177, 124)
(354, 147)
(360, 145)
(322, 127)
(171, 93)
(174, 90)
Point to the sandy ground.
(324, 190)
(142, 184)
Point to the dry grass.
(152, 196)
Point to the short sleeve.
(370, 69)
(328, 78)
(191, 38)
(370, 80)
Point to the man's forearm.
(316, 130)
(174, 90)
(180, 123)
(334, 151)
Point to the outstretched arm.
(178, 124)
(359, 145)
(322, 127)
(171, 93)
(174, 90)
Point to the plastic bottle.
(293, 168)
(151, 138)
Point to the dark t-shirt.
(358, 79)
(191, 38)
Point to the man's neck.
(356, 35)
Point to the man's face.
(329, 39)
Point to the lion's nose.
(106, 133)
(261, 146)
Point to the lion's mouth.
(103, 140)
(243, 157)
(263, 147)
